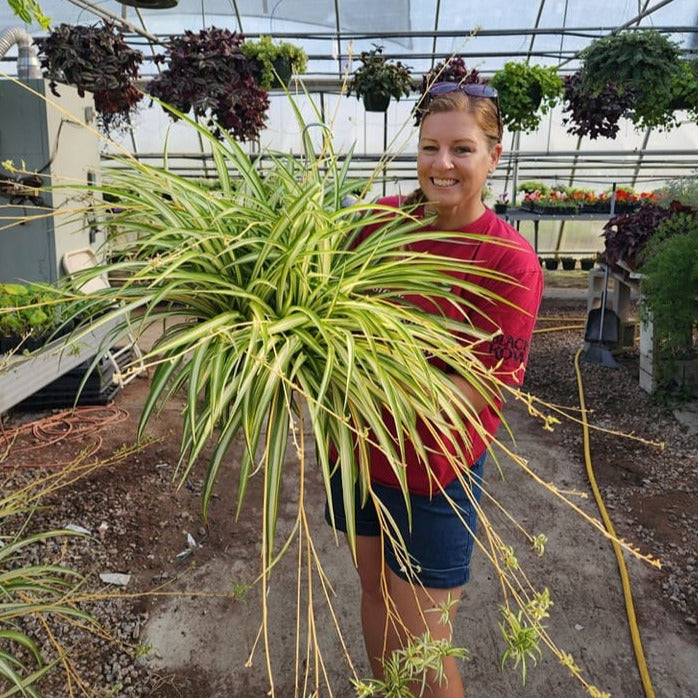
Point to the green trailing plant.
(669, 285)
(94, 59)
(280, 310)
(525, 93)
(642, 62)
(380, 76)
(269, 57)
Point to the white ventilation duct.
(27, 61)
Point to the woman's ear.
(495, 154)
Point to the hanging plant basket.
(525, 93)
(273, 64)
(94, 59)
(378, 79)
(642, 62)
(208, 74)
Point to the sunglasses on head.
(472, 90)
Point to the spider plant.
(277, 314)
(272, 307)
(28, 590)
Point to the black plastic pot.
(376, 102)
(283, 69)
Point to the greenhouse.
(348, 350)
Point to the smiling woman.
(459, 147)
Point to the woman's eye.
(462, 149)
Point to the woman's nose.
(443, 158)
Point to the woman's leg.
(416, 610)
(413, 611)
(374, 607)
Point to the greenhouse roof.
(488, 34)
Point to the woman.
(459, 147)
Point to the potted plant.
(669, 298)
(30, 316)
(587, 263)
(551, 263)
(568, 263)
(556, 203)
(208, 74)
(641, 62)
(94, 59)
(377, 79)
(596, 114)
(525, 93)
(274, 64)
(626, 234)
(502, 203)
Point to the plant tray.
(98, 388)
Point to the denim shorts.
(439, 543)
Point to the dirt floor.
(191, 628)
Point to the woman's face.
(453, 162)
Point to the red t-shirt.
(514, 323)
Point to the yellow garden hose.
(627, 594)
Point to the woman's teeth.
(443, 182)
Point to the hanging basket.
(376, 102)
